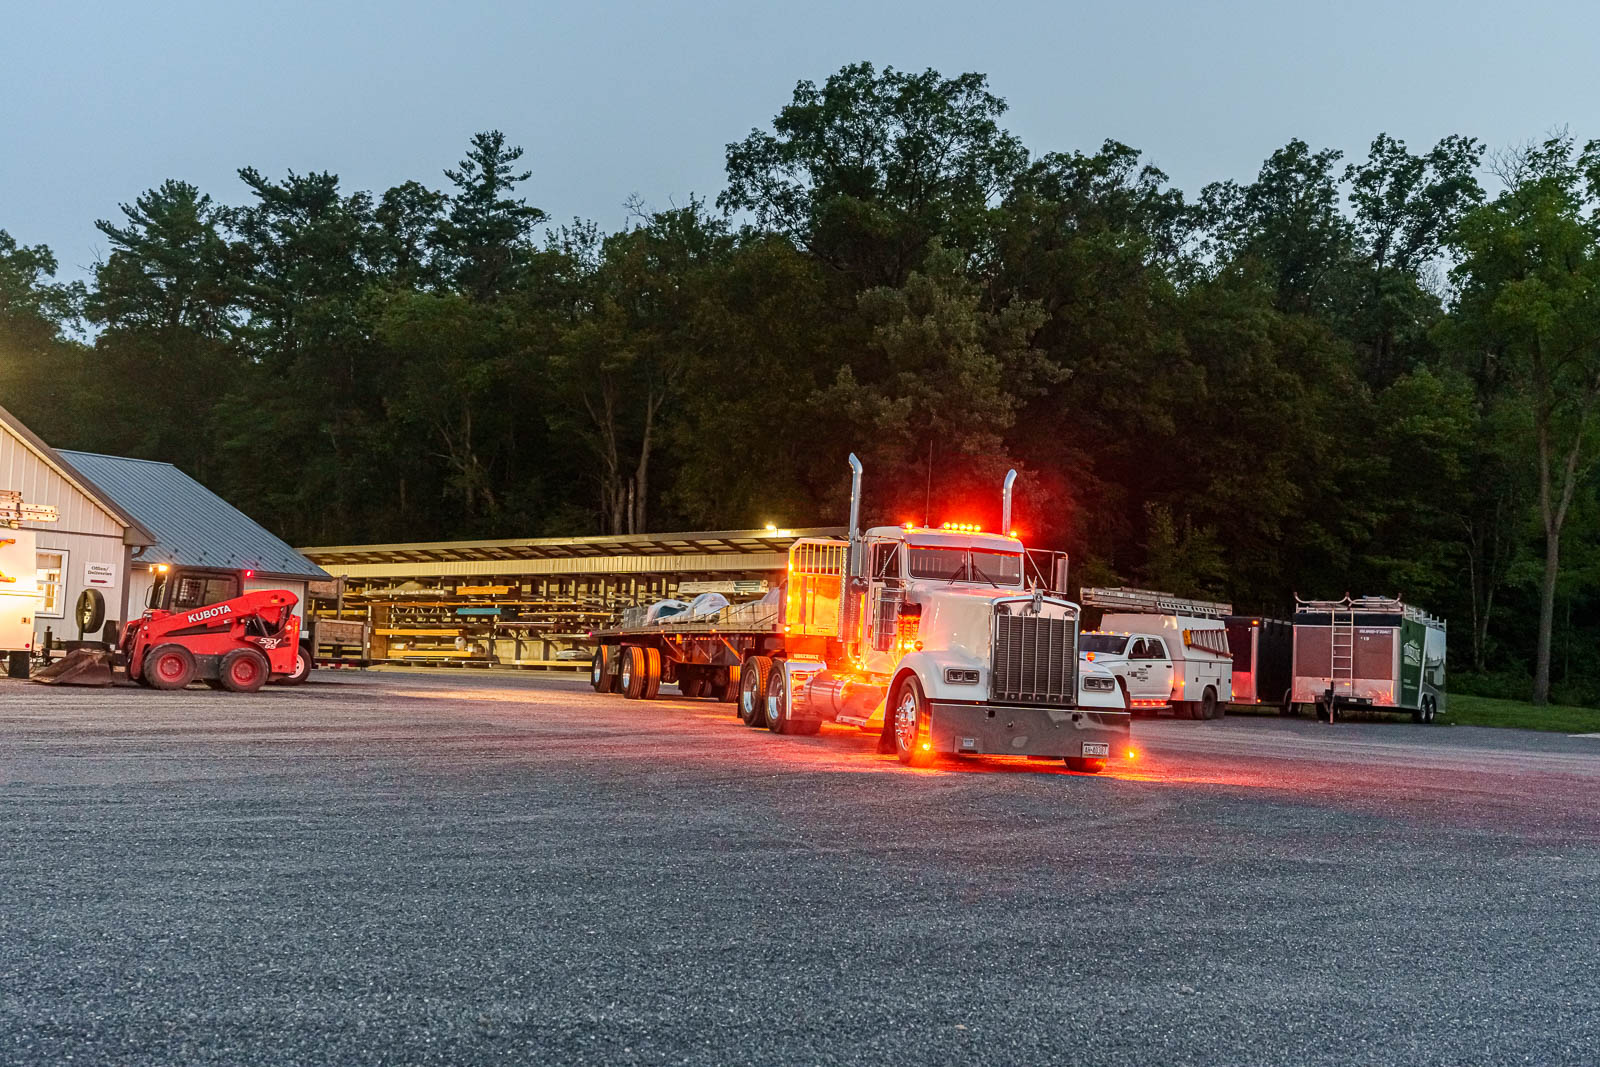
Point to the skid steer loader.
(234, 644)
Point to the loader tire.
(90, 612)
(301, 671)
(754, 677)
(168, 667)
(245, 670)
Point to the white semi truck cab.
(944, 641)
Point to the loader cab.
(186, 588)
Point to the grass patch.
(1488, 711)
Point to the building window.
(52, 584)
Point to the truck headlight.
(960, 676)
(1100, 685)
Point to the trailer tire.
(1430, 709)
(244, 670)
(911, 726)
(632, 675)
(600, 677)
(726, 687)
(168, 667)
(753, 677)
(1288, 709)
(652, 673)
(692, 686)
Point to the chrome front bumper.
(1022, 730)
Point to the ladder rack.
(1149, 602)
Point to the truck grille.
(1035, 660)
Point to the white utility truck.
(1164, 651)
(935, 639)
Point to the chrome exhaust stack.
(855, 515)
(1005, 504)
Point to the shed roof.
(730, 544)
(134, 533)
(192, 526)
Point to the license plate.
(1097, 748)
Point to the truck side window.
(1140, 649)
(884, 562)
(1158, 650)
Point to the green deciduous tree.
(1530, 300)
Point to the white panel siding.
(22, 469)
(81, 550)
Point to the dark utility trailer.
(1374, 653)
(1263, 659)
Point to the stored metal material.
(14, 510)
(1144, 600)
(193, 526)
(1035, 659)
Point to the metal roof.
(191, 525)
(667, 546)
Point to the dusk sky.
(101, 101)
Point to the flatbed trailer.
(933, 638)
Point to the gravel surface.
(454, 868)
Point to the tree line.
(1374, 375)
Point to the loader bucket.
(81, 666)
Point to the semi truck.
(1165, 651)
(936, 639)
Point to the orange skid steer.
(236, 644)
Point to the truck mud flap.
(1019, 730)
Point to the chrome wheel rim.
(905, 720)
(774, 708)
(594, 670)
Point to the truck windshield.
(966, 565)
(1105, 644)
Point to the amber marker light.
(1133, 753)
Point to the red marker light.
(249, 574)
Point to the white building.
(120, 520)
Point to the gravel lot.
(446, 868)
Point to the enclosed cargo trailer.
(1263, 659)
(1367, 652)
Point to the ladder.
(1342, 662)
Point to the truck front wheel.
(912, 741)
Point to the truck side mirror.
(1058, 575)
